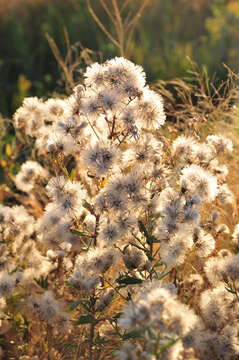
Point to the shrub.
(116, 253)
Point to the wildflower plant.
(121, 253)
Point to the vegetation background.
(168, 32)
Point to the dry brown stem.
(124, 24)
(70, 64)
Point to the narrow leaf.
(80, 233)
(74, 305)
(85, 319)
(129, 280)
(132, 335)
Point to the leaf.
(129, 280)
(85, 319)
(151, 334)
(166, 346)
(152, 196)
(72, 174)
(2, 178)
(101, 340)
(7, 139)
(88, 206)
(78, 232)
(14, 168)
(117, 316)
(154, 239)
(143, 230)
(14, 300)
(42, 282)
(164, 275)
(85, 306)
(157, 265)
(74, 305)
(132, 335)
(230, 290)
(129, 297)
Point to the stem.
(119, 26)
(92, 334)
(151, 248)
(77, 351)
(113, 127)
(125, 136)
(92, 127)
(114, 288)
(101, 25)
(235, 290)
(97, 220)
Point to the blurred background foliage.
(168, 32)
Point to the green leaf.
(132, 335)
(100, 340)
(143, 230)
(85, 306)
(151, 334)
(87, 206)
(230, 290)
(14, 300)
(72, 174)
(2, 178)
(15, 168)
(161, 263)
(164, 275)
(166, 346)
(7, 139)
(129, 280)
(74, 305)
(154, 239)
(117, 316)
(85, 319)
(42, 282)
(80, 233)
(129, 297)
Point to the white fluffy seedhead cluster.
(99, 113)
(123, 202)
(19, 254)
(50, 310)
(30, 173)
(88, 267)
(157, 310)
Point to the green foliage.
(42, 282)
(25, 52)
(85, 319)
(167, 33)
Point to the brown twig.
(122, 24)
(101, 25)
